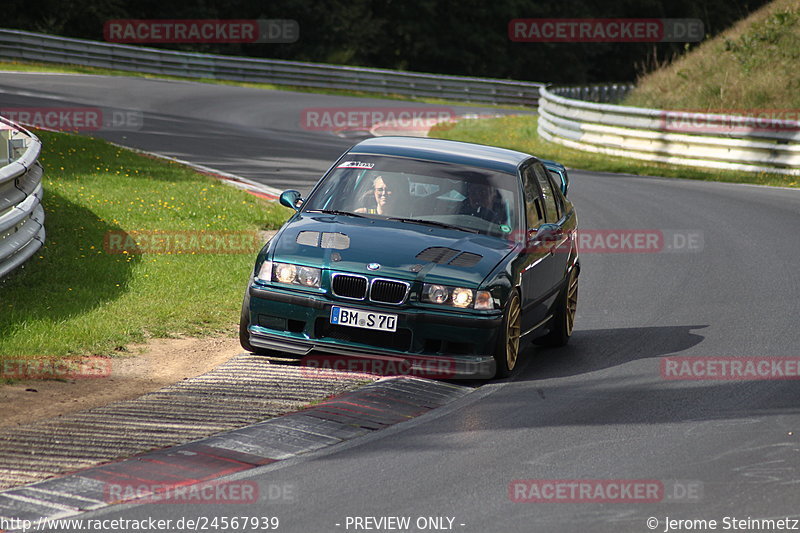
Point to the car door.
(554, 214)
(536, 261)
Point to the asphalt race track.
(252, 133)
(723, 281)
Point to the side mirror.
(558, 171)
(562, 174)
(291, 199)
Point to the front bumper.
(429, 344)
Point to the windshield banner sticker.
(356, 164)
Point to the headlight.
(437, 294)
(457, 297)
(308, 276)
(285, 272)
(290, 274)
(462, 297)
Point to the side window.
(551, 209)
(534, 210)
(555, 179)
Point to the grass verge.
(92, 290)
(519, 133)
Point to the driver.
(481, 202)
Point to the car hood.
(403, 250)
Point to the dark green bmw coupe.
(437, 254)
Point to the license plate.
(358, 318)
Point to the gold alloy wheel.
(512, 334)
(572, 301)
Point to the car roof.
(478, 155)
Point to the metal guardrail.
(708, 140)
(603, 93)
(20, 45)
(21, 213)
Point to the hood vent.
(337, 241)
(442, 255)
(437, 254)
(466, 259)
(308, 238)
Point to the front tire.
(244, 325)
(564, 315)
(506, 352)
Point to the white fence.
(729, 142)
(20, 45)
(21, 213)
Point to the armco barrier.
(732, 143)
(21, 213)
(20, 45)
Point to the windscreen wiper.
(435, 223)
(338, 212)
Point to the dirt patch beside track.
(156, 364)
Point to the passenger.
(385, 197)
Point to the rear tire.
(506, 351)
(564, 316)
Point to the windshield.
(470, 198)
